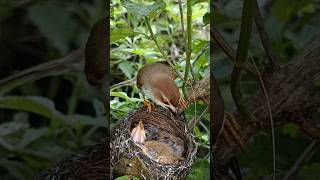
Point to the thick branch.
(292, 96)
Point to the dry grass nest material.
(164, 129)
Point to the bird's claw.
(148, 104)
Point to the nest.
(128, 158)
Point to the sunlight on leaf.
(141, 10)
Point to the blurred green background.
(291, 25)
(44, 121)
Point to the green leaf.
(99, 108)
(55, 23)
(12, 127)
(201, 170)
(290, 129)
(85, 120)
(206, 19)
(45, 107)
(127, 178)
(317, 83)
(127, 68)
(118, 34)
(34, 104)
(310, 172)
(31, 135)
(18, 169)
(123, 95)
(285, 9)
(141, 10)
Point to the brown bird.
(157, 83)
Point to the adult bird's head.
(157, 83)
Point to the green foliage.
(310, 172)
(119, 34)
(141, 10)
(200, 171)
(290, 25)
(134, 47)
(61, 28)
(45, 121)
(127, 178)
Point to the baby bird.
(138, 134)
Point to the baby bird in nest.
(157, 83)
(157, 145)
(161, 152)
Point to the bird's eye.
(129, 165)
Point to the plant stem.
(181, 17)
(189, 46)
(241, 58)
(161, 51)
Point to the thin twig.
(265, 39)
(72, 61)
(305, 156)
(194, 121)
(181, 17)
(123, 83)
(271, 119)
(189, 46)
(222, 43)
(161, 51)
(217, 111)
(228, 50)
(241, 58)
(204, 127)
(309, 128)
(196, 59)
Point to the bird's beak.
(141, 125)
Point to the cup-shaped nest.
(167, 153)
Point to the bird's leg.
(148, 104)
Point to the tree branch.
(264, 38)
(228, 50)
(292, 95)
(307, 154)
(72, 62)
